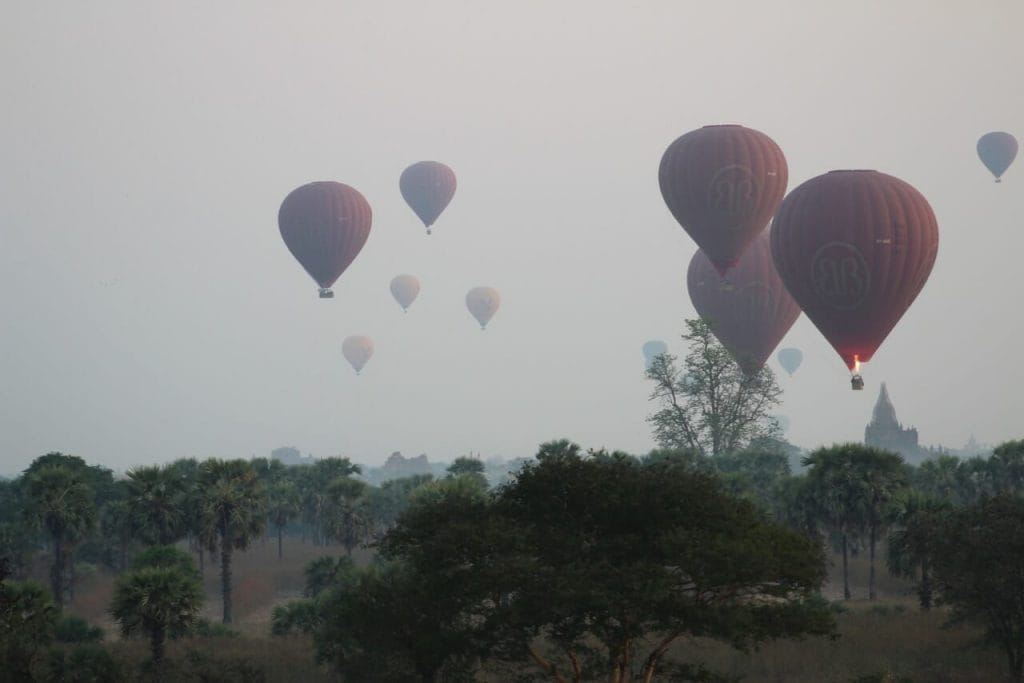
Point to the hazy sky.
(152, 311)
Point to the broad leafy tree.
(979, 572)
(706, 403)
(916, 520)
(232, 514)
(594, 567)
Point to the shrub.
(74, 629)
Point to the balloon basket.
(326, 293)
(857, 383)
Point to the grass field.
(888, 636)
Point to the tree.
(283, 505)
(156, 504)
(1007, 467)
(852, 485)
(979, 571)
(232, 514)
(580, 561)
(709, 405)
(347, 519)
(27, 619)
(59, 500)
(159, 601)
(468, 467)
(391, 499)
(916, 518)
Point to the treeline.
(583, 566)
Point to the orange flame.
(856, 364)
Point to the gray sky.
(152, 310)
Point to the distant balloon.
(427, 187)
(722, 184)
(357, 351)
(854, 249)
(997, 151)
(652, 350)
(482, 303)
(790, 359)
(405, 289)
(749, 309)
(324, 225)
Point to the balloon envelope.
(749, 309)
(482, 303)
(722, 184)
(357, 351)
(324, 225)
(997, 150)
(854, 249)
(427, 187)
(652, 350)
(790, 359)
(405, 289)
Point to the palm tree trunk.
(846, 572)
(57, 571)
(871, 565)
(925, 591)
(280, 533)
(225, 576)
(156, 643)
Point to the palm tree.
(59, 500)
(835, 491)
(283, 505)
(348, 514)
(155, 504)
(853, 484)
(232, 513)
(159, 601)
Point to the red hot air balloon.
(854, 249)
(325, 225)
(750, 310)
(427, 187)
(997, 150)
(723, 183)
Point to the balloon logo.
(854, 249)
(324, 225)
(427, 187)
(405, 289)
(483, 303)
(722, 184)
(357, 351)
(997, 150)
(749, 310)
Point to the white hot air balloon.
(405, 289)
(482, 303)
(357, 351)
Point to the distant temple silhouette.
(885, 431)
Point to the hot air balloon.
(997, 151)
(405, 289)
(357, 351)
(427, 187)
(854, 249)
(750, 310)
(790, 359)
(723, 183)
(652, 350)
(482, 303)
(324, 225)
